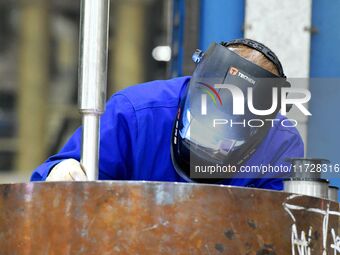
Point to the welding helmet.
(215, 123)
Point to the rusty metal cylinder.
(116, 217)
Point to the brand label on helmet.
(234, 71)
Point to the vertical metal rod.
(94, 22)
(90, 146)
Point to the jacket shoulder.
(285, 134)
(158, 93)
(286, 125)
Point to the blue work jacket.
(135, 136)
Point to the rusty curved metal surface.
(162, 218)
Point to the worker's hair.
(254, 56)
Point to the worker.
(159, 131)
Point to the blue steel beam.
(221, 20)
(324, 125)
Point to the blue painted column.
(324, 125)
(221, 20)
(325, 52)
(178, 16)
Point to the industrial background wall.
(38, 71)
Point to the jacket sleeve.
(118, 130)
(291, 147)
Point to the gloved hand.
(67, 170)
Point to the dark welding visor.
(223, 114)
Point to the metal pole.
(94, 21)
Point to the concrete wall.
(284, 27)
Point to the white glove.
(67, 170)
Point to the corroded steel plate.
(162, 218)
